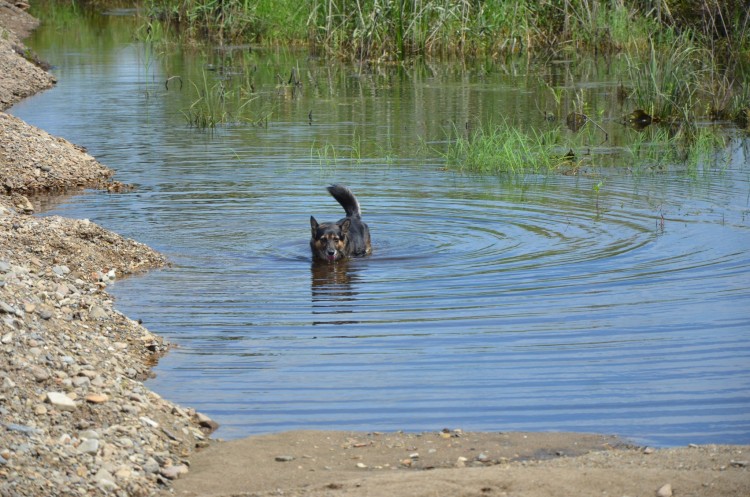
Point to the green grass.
(216, 104)
(505, 149)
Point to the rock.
(664, 491)
(148, 421)
(61, 270)
(61, 401)
(151, 466)
(6, 308)
(105, 480)
(23, 204)
(97, 312)
(39, 373)
(21, 428)
(89, 434)
(89, 446)
(206, 422)
(174, 472)
(96, 398)
(284, 458)
(45, 313)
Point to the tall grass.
(505, 149)
(216, 104)
(665, 83)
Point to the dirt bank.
(76, 419)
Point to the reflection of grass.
(659, 149)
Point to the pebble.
(174, 472)
(89, 446)
(97, 312)
(61, 401)
(284, 458)
(97, 398)
(664, 491)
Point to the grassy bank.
(682, 53)
(399, 29)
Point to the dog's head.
(329, 240)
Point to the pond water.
(611, 304)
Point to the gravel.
(75, 417)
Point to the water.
(542, 303)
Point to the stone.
(284, 458)
(664, 491)
(97, 312)
(61, 401)
(148, 421)
(96, 398)
(150, 466)
(105, 480)
(89, 446)
(45, 313)
(7, 308)
(21, 428)
(174, 472)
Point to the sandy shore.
(76, 419)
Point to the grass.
(216, 104)
(385, 30)
(505, 149)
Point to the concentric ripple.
(479, 308)
(611, 305)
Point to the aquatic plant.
(665, 83)
(217, 104)
(504, 148)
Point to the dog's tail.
(346, 198)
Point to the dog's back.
(349, 237)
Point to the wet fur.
(348, 237)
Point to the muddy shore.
(76, 419)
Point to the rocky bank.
(75, 418)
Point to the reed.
(666, 83)
(505, 149)
(216, 104)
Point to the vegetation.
(398, 29)
(686, 61)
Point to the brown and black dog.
(348, 237)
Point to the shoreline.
(76, 418)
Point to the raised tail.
(346, 198)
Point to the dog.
(348, 237)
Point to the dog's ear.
(345, 226)
(313, 225)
